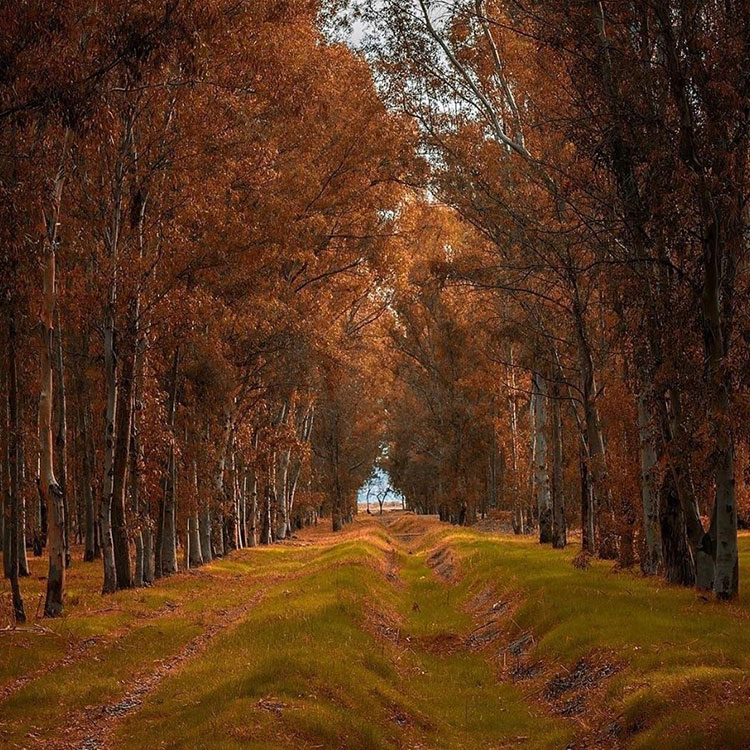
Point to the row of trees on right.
(598, 154)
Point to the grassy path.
(403, 634)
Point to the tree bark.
(109, 585)
(677, 555)
(53, 497)
(194, 541)
(252, 532)
(541, 472)
(11, 464)
(169, 531)
(61, 440)
(588, 532)
(90, 549)
(559, 534)
(651, 562)
(167, 541)
(121, 461)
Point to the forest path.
(370, 646)
(398, 633)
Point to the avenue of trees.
(500, 250)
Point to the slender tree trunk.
(233, 517)
(23, 558)
(61, 441)
(651, 560)
(195, 557)
(90, 549)
(121, 460)
(140, 513)
(716, 305)
(139, 560)
(559, 535)
(541, 471)
(169, 532)
(148, 555)
(204, 520)
(11, 464)
(5, 457)
(588, 532)
(168, 540)
(53, 497)
(105, 508)
(245, 485)
(514, 484)
(135, 501)
(603, 511)
(252, 534)
(282, 484)
(218, 525)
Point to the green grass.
(308, 646)
(307, 666)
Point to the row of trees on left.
(196, 204)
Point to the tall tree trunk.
(514, 484)
(23, 558)
(61, 440)
(559, 535)
(233, 517)
(252, 533)
(726, 561)
(194, 541)
(140, 513)
(11, 467)
(147, 535)
(283, 489)
(105, 507)
(541, 471)
(679, 566)
(218, 521)
(204, 520)
(244, 488)
(167, 539)
(651, 559)
(53, 497)
(597, 467)
(268, 503)
(588, 532)
(135, 496)
(195, 557)
(169, 531)
(121, 462)
(90, 548)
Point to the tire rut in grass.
(79, 649)
(92, 727)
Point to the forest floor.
(400, 632)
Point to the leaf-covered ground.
(400, 633)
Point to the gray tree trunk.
(559, 534)
(541, 472)
(105, 507)
(61, 433)
(651, 559)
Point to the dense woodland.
(496, 248)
